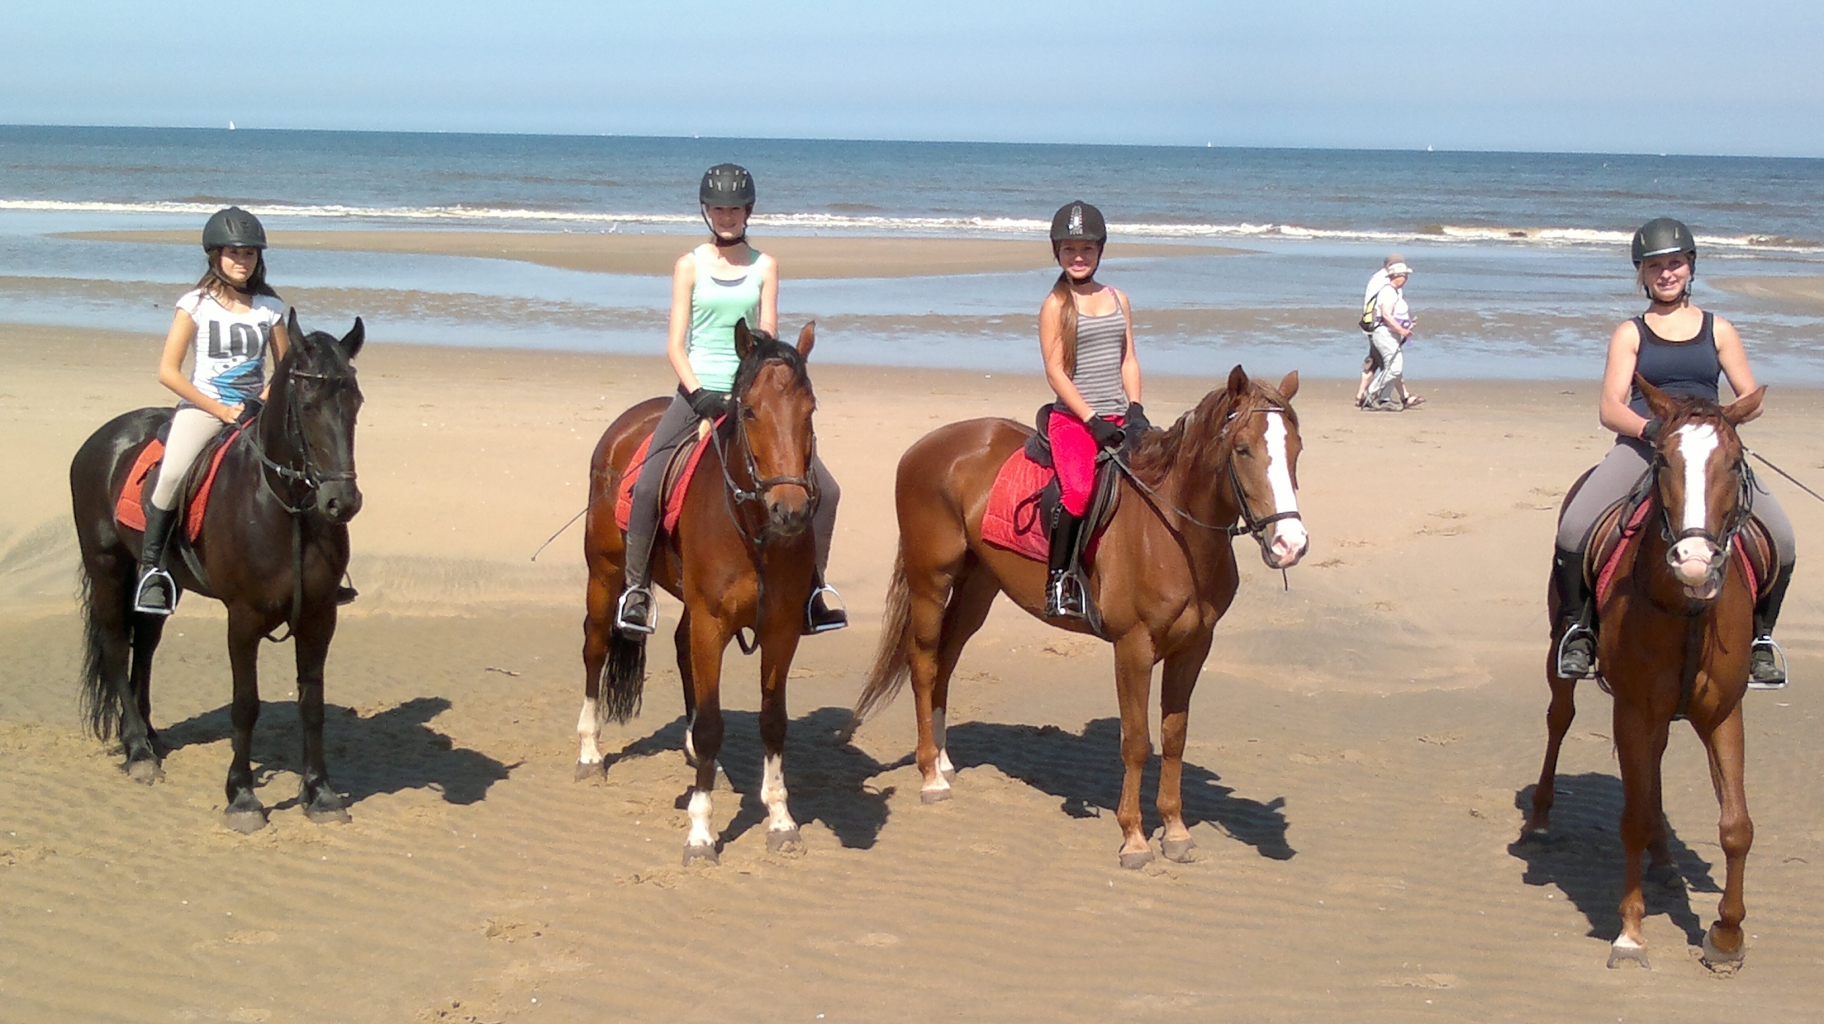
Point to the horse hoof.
(1624, 952)
(784, 841)
(586, 771)
(934, 796)
(1720, 962)
(332, 815)
(145, 771)
(1178, 850)
(1136, 861)
(245, 822)
(706, 852)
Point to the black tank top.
(1677, 367)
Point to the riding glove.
(1106, 433)
(706, 403)
(1137, 423)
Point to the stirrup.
(1775, 677)
(623, 618)
(1577, 631)
(1064, 596)
(346, 594)
(149, 579)
(819, 617)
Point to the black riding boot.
(819, 615)
(1766, 662)
(1063, 588)
(157, 591)
(1577, 645)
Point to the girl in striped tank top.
(1087, 339)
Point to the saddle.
(1621, 521)
(1026, 493)
(676, 482)
(192, 496)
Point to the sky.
(1542, 75)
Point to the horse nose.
(1290, 542)
(341, 507)
(789, 508)
(1692, 558)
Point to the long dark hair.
(212, 282)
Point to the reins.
(1249, 525)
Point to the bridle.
(306, 472)
(738, 496)
(1250, 525)
(1733, 524)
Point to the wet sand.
(1803, 293)
(1359, 744)
(655, 254)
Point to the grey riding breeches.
(1622, 468)
(191, 431)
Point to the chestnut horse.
(1674, 634)
(742, 557)
(274, 546)
(1164, 572)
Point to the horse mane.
(769, 349)
(1197, 430)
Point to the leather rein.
(1250, 524)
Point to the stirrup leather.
(1577, 631)
(1775, 680)
(627, 624)
(833, 616)
(148, 579)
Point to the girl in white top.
(225, 324)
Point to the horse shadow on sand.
(833, 782)
(389, 752)
(1582, 856)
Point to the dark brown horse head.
(1701, 480)
(308, 425)
(772, 405)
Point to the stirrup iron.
(1576, 631)
(820, 616)
(624, 621)
(148, 579)
(1776, 678)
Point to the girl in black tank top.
(1689, 367)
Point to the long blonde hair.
(1067, 321)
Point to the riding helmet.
(1078, 220)
(234, 227)
(726, 185)
(1661, 236)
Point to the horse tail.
(893, 659)
(623, 677)
(100, 698)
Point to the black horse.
(273, 548)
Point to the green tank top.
(715, 306)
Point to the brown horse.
(742, 557)
(1675, 634)
(1164, 572)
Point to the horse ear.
(290, 328)
(1288, 386)
(1744, 408)
(351, 342)
(1238, 381)
(807, 338)
(744, 341)
(1659, 403)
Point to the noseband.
(306, 472)
(755, 493)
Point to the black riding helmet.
(1661, 236)
(1078, 220)
(726, 185)
(234, 227)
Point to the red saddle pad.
(129, 509)
(674, 498)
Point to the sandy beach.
(1359, 743)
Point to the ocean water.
(1520, 260)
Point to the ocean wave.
(853, 220)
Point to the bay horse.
(1674, 636)
(1164, 572)
(273, 548)
(742, 558)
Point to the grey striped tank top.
(1101, 340)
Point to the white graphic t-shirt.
(230, 348)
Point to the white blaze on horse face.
(772, 794)
(1695, 442)
(1289, 537)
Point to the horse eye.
(1244, 450)
(748, 414)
